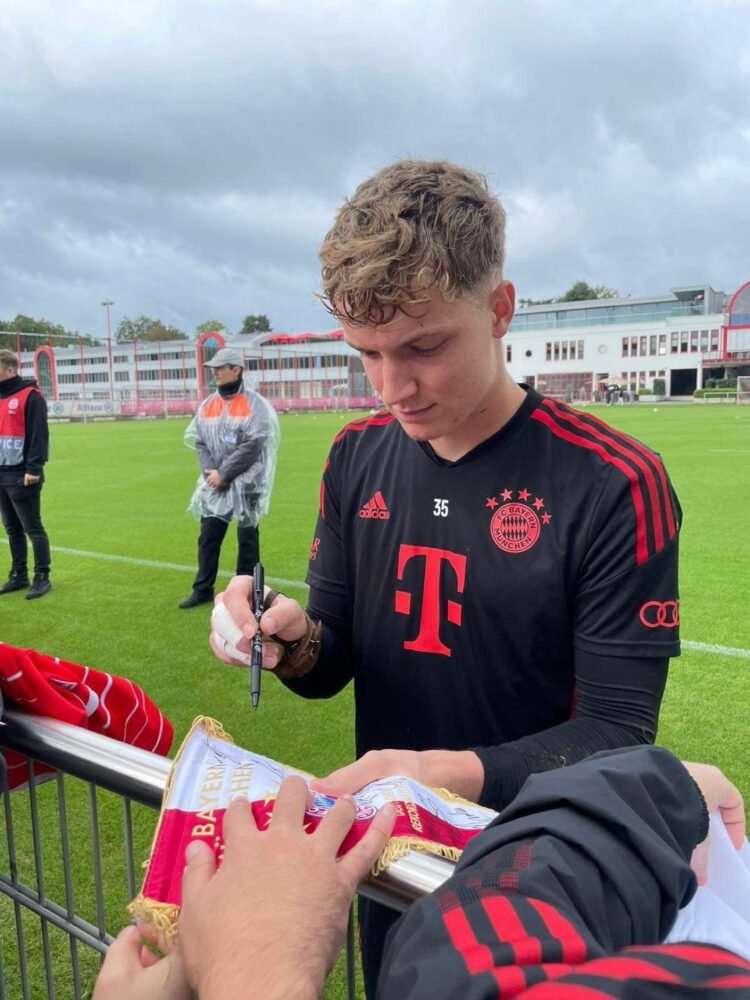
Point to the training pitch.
(124, 555)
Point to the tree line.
(34, 332)
(579, 291)
(26, 333)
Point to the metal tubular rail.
(141, 776)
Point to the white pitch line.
(154, 564)
(702, 647)
(709, 647)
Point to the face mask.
(230, 389)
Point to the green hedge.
(713, 393)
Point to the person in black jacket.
(571, 890)
(24, 449)
(567, 895)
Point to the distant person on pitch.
(235, 434)
(24, 449)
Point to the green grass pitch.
(121, 489)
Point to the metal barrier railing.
(137, 779)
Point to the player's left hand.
(29, 480)
(132, 972)
(460, 771)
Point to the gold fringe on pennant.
(162, 917)
(399, 847)
(449, 796)
(213, 729)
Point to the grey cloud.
(186, 158)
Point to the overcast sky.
(184, 158)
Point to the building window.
(642, 347)
(508, 353)
(683, 341)
(714, 340)
(652, 344)
(625, 346)
(662, 343)
(675, 342)
(548, 350)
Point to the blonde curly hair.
(415, 227)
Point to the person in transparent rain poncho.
(235, 434)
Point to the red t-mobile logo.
(428, 637)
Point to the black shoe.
(39, 587)
(15, 581)
(197, 597)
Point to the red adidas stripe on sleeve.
(643, 470)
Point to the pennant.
(209, 771)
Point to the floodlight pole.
(107, 303)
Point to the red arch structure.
(738, 314)
(738, 310)
(205, 347)
(45, 351)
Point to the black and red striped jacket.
(567, 895)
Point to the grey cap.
(226, 356)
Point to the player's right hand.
(233, 624)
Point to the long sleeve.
(616, 705)
(36, 446)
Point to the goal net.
(743, 388)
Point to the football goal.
(743, 388)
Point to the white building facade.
(573, 349)
(570, 350)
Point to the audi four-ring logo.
(660, 614)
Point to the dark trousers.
(213, 530)
(20, 509)
(375, 920)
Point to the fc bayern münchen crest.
(516, 524)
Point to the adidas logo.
(376, 508)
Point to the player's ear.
(502, 302)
